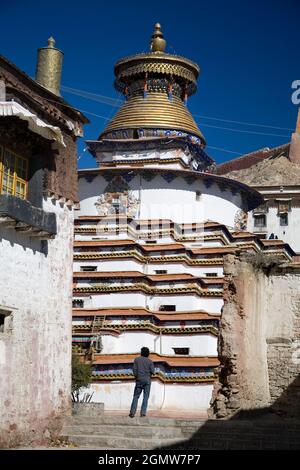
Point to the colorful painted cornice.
(142, 287)
(190, 258)
(162, 143)
(183, 258)
(230, 240)
(154, 228)
(171, 361)
(168, 369)
(144, 325)
(150, 234)
(149, 278)
(207, 377)
(158, 315)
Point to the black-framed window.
(284, 219)
(88, 268)
(2, 321)
(5, 320)
(260, 220)
(167, 308)
(182, 351)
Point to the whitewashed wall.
(132, 265)
(117, 395)
(288, 233)
(175, 201)
(134, 299)
(142, 239)
(35, 357)
(132, 342)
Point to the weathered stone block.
(87, 410)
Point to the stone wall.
(35, 347)
(283, 340)
(259, 346)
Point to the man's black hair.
(145, 352)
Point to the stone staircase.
(121, 432)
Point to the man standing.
(143, 368)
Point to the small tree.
(81, 377)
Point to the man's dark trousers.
(139, 388)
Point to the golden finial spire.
(158, 43)
(51, 42)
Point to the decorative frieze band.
(160, 376)
(184, 258)
(193, 289)
(153, 328)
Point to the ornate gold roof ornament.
(49, 67)
(51, 42)
(158, 43)
(156, 86)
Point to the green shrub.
(81, 375)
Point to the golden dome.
(154, 112)
(156, 86)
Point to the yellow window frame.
(17, 171)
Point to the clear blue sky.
(248, 52)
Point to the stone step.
(119, 442)
(122, 432)
(125, 421)
(130, 430)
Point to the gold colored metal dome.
(156, 86)
(154, 112)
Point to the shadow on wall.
(26, 242)
(275, 427)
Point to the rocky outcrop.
(271, 171)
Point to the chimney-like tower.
(294, 154)
(49, 66)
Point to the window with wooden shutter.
(13, 173)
